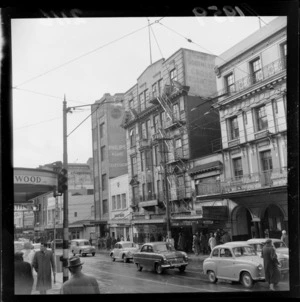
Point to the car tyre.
(125, 260)
(212, 276)
(158, 268)
(182, 269)
(139, 267)
(93, 254)
(246, 280)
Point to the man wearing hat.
(23, 275)
(272, 273)
(79, 282)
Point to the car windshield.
(128, 244)
(278, 244)
(243, 251)
(84, 243)
(164, 247)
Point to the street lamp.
(65, 193)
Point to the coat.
(272, 273)
(23, 278)
(42, 263)
(80, 284)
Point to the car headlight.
(259, 267)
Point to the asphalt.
(195, 259)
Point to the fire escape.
(174, 161)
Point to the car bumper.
(174, 265)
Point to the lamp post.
(65, 194)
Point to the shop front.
(146, 232)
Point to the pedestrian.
(79, 282)
(128, 238)
(23, 275)
(212, 241)
(285, 238)
(28, 252)
(218, 236)
(179, 242)
(226, 237)
(196, 240)
(42, 262)
(108, 242)
(271, 263)
(205, 244)
(118, 239)
(201, 242)
(113, 241)
(266, 233)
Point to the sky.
(84, 58)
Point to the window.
(158, 184)
(132, 137)
(163, 119)
(131, 104)
(135, 194)
(144, 131)
(142, 101)
(178, 143)
(261, 118)
(148, 128)
(237, 168)
(142, 160)
(118, 202)
(154, 90)
(103, 182)
(157, 158)
(225, 253)
(148, 159)
(229, 82)
(256, 70)
(133, 166)
(75, 214)
(173, 75)
(160, 87)
(149, 189)
(233, 128)
(215, 253)
(103, 153)
(144, 191)
(101, 130)
(180, 180)
(124, 205)
(266, 161)
(92, 210)
(114, 202)
(156, 123)
(105, 206)
(176, 113)
(283, 51)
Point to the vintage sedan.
(82, 247)
(124, 251)
(160, 256)
(282, 251)
(235, 261)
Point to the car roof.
(155, 243)
(233, 244)
(262, 240)
(79, 240)
(125, 242)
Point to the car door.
(143, 256)
(118, 247)
(226, 264)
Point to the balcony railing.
(253, 181)
(265, 73)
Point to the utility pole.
(65, 198)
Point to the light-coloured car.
(234, 261)
(18, 245)
(82, 247)
(124, 250)
(282, 251)
(160, 256)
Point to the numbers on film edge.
(228, 10)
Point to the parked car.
(282, 252)
(124, 250)
(160, 256)
(82, 247)
(235, 261)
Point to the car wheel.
(246, 280)
(212, 277)
(158, 268)
(124, 259)
(139, 267)
(93, 254)
(182, 269)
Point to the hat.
(19, 255)
(268, 240)
(283, 232)
(74, 261)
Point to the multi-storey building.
(164, 133)
(109, 153)
(253, 114)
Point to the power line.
(83, 55)
(26, 126)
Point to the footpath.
(195, 260)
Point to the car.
(124, 250)
(58, 244)
(82, 247)
(234, 261)
(18, 245)
(282, 252)
(160, 256)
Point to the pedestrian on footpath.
(42, 262)
(79, 282)
(285, 238)
(212, 241)
(271, 263)
(23, 275)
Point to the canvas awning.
(214, 165)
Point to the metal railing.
(253, 181)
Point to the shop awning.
(214, 165)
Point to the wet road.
(118, 277)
